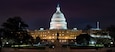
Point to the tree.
(111, 30)
(88, 27)
(38, 40)
(83, 39)
(0, 38)
(15, 29)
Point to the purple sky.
(78, 13)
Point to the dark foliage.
(83, 39)
(14, 28)
(88, 27)
(111, 30)
(38, 40)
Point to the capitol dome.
(58, 20)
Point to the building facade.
(58, 29)
(52, 35)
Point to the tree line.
(14, 31)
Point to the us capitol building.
(58, 29)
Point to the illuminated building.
(97, 27)
(51, 35)
(58, 20)
(58, 29)
(58, 26)
(98, 33)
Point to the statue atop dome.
(58, 8)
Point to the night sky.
(78, 13)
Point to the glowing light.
(111, 42)
(92, 42)
(49, 37)
(66, 37)
(7, 42)
(58, 25)
(53, 37)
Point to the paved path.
(58, 50)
